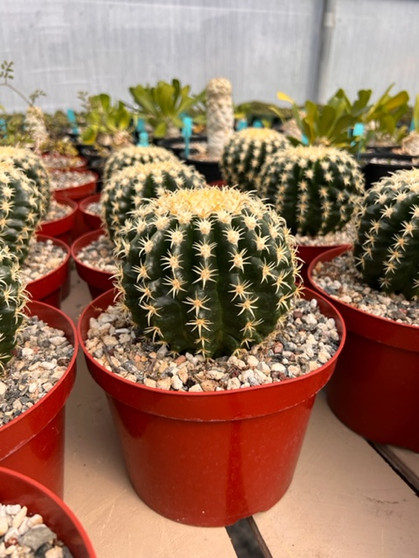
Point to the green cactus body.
(19, 209)
(128, 156)
(386, 249)
(33, 167)
(207, 270)
(316, 189)
(129, 187)
(12, 302)
(245, 153)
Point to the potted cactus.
(205, 276)
(374, 389)
(316, 189)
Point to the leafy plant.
(6, 72)
(163, 105)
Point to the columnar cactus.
(128, 156)
(316, 189)
(207, 270)
(32, 165)
(386, 249)
(245, 153)
(220, 116)
(12, 302)
(129, 187)
(19, 209)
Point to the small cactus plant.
(32, 165)
(245, 153)
(132, 185)
(207, 270)
(386, 250)
(12, 301)
(20, 210)
(220, 116)
(128, 156)
(316, 189)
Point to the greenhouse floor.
(348, 499)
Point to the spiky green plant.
(129, 187)
(245, 153)
(207, 270)
(32, 165)
(316, 189)
(128, 156)
(19, 209)
(386, 249)
(12, 301)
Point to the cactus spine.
(207, 270)
(129, 187)
(316, 189)
(12, 302)
(386, 249)
(245, 153)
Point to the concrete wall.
(262, 46)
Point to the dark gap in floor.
(404, 472)
(247, 540)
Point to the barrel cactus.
(12, 302)
(132, 155)
(132, 185)
(20, 210)
(316, 189)
(32, 165)
(386, 249)
(207, 270)
(245, 153)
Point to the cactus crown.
(386, 249)
(129, 187)
(34, 168)
(207, 270)
(316, 189)
(128, 156)
(12, 301)
(245, 153)
(19, 209)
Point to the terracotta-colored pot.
(91, 220)
(307, 255)
(375, 387)
(61, 228)
(33, 442)
(52, 287)
(16, 488)
(78, 192)
(97, 280)
(210, 458)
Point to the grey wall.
(262, 46)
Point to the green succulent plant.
(207, 270)
(129, 187)
(316, 189)
(12, 302)
(245, 153)
(386, 249)
(128, 156)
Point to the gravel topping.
(60, 180)
(306, 340)
(56, 161)
(41, 356)
(57, 211)
(27, 536)
(43, 257)
(345, 236)
(99, 254)
(95, 208)
(340, 279)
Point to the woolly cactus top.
(207, 270)
(316, 189)
(386, 249)
(133, 154)
(245, 153)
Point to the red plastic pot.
(91, 220)
(97, 280)
(375, 387)
(307, 255)
(52, 287)
(61, 228)
(78, 192)
(210, 458)
(16, 488)
(74, 163)
(33, 443)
